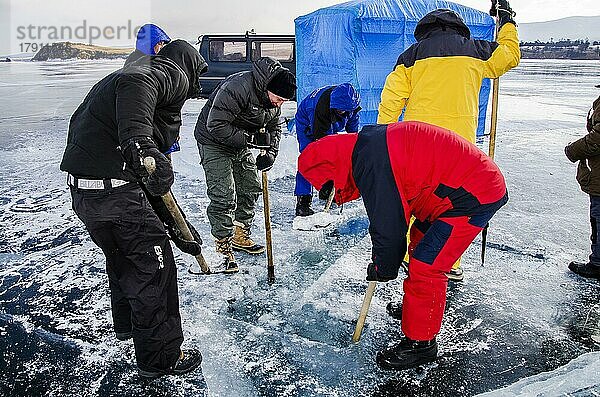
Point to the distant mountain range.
(66, 50)
(566, 28)
(573, 28)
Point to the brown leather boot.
(243, 242)
(224, 248)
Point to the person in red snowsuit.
(411, 169)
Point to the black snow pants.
(141, 270)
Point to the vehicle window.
(283, 52)
(227, 51)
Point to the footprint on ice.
(319, 220)
(36, 204)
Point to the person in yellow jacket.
(437, 79)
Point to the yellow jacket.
(437, 80)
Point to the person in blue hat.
(326, 111)
(150, 40)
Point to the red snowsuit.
(411, 168)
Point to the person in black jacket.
(231, 122)
(129, 115)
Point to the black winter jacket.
(586, 150)
(134, 56)
(239, 107)
(144, 99)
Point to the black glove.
(372, 275)
(504, 12)
(259, 140)
(326, 190)
(189, 247)
(160, 181)
(319, 134)
(264, 162)
(589, 125)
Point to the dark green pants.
(233, 187)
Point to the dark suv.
(229, 54)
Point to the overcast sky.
(188, 19)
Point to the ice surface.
(578, 378)
(318, 220)
(521, 316)
(326, 220)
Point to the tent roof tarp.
(359, 42)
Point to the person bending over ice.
(411, 169)
(229, 124)
(327, 110)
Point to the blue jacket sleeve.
(353, 123)
(303, 129)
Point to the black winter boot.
(588, 270)
(188, 361)
(407, 354)
(303, 204)
(123, 336)
(394, 309)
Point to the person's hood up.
(441, 19)
(149, 36)
(189, 60)
(330, 159)
(344, 97)
(263, 70)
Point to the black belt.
(95, 184)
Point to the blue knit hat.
(148, 36)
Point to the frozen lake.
(517, 318)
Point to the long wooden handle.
(268, 239)
(492, 146)
(329, 200)
(364, 310)
(495, 95)
(169, 201)
(494, 117)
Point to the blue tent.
(359, 42)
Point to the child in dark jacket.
(587, 151)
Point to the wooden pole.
(329, 200)
(364, 310)
(494, 117)
(495, 91)
(492, 145)
(268, 238)
(169, 201)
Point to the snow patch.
(580, 377)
